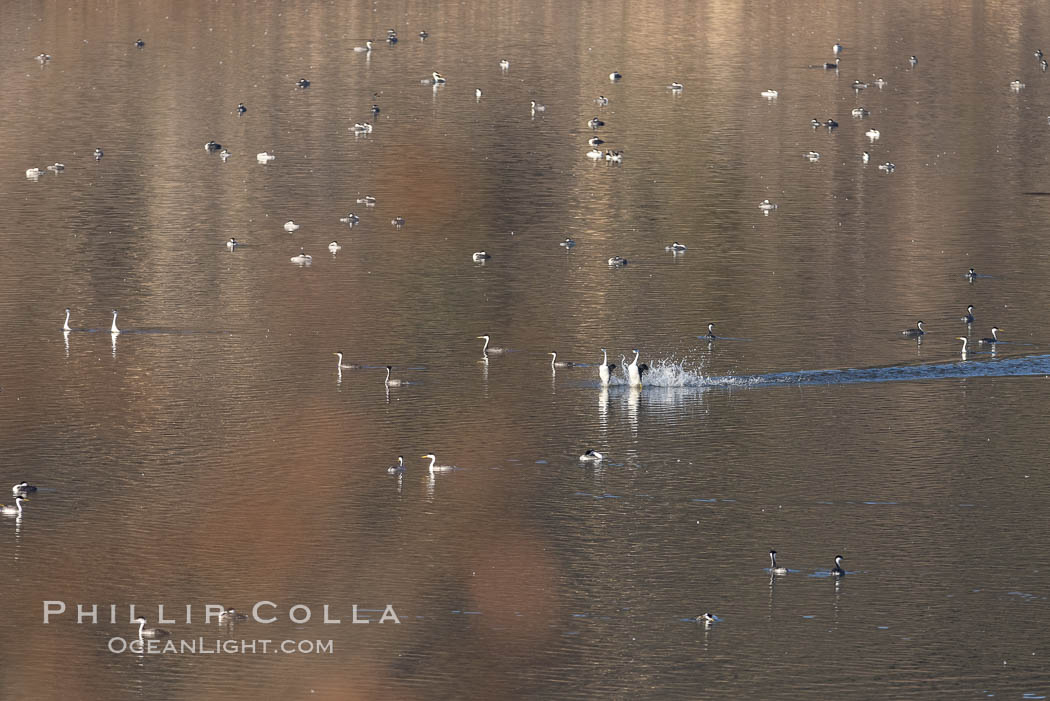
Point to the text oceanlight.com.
(200, 646)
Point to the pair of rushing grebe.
(774, 568)
(112, 327)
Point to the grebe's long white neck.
(65, 326)
(963, 339)
(603, 371)
(113, 327)
(554, 356)
(632, 371)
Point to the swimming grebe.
(595, 123)
(231, 244)
(264, 157)
(969, 315)
(596, 154)
(389, 382)
(230, 615)
(614, 76)
(773, 569)
(56, 167)
(113, 327)
(675, 247)
(504, 64)
(212, 146)
(241, 109)
(859, 85)
(567, 243)
(436, 468)
(224, 154)
(341, 364)
(916, 332)
(438, 78)
(22, 488)
(837, 570)
(766, 205)
(634, 376)
(591, 456)
(98, 154)
(836, 48)
(65, 325)
(710, 332)
(994, 338)
(334, 247)
(367, 200)
(365, 48)
(860, 112)
(487, 349)
(480, 256)
(145, 632)
(603, 369)
(677, 87)
(398, 222)
(537, 107)
(963, 339)
(16, 509)
(291, 226)
(350, 219)
(769, 94)
(555, 363)
(303, 83)
(705, 618)
(602, 100)
(399, 467)
(617, 261)
(302, 259)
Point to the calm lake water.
(213, 453)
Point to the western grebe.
(837, 570)
(994, 338)
(710, 332)
(363, 49)
(22, 488)
(705, 618)
(865, 156)
(634, 377)
(56, 167)
(815, 123)
(350, 219)
(766, 206)
(859, 85)
(831, 124)
(504, 64)
(291, 226)
(436, 468)
(837, 48)
(16, 509)
(391, 383)
(1038, 53)
(602, 100)
(43, 58)
(362, 128)
(617, 262)
(832, 66)
(594, 123)
(614, 76)
(264, 157)
(872, 134)
(1016, 85)
(537, 107)
(487, 349)
(334, 247)
(969, 315)
(98, 154)
(65, 325)
(971, 274)
(916, 332)
(241, 109)
(811, 155)
(391, 36)
(375, 108)
(555, 363)
(879, 83)
(676, 86)
(438, 78)
(423, 35)
(224, 154)
(596, 154)
(675, 247)
(595, 141)
(302, 259)
(33, 173)
(887, 167)
(303, 83)
(603, 369)
(398, 222)
(367, 200)
(963, 339)
(567, 243)
(591, 456)
(614, 156)
(399, 467)
(231, 244)
(860, 112)
(344, 366)
(145, 632)
(477, 93)
(230, 615)
(113, 326)
(913, 60)
(213, 146)
(480, 256)
(773, 569)
(769, 94)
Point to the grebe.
(603, 369)
(705, 618)
(872, 134)
(340, 364)
(375, 108)
(350, 219)
(837, 48)
(675, 247)
(766, 206)
(969, 315)
(487, 349)
(860, 112)
(634, 377)
(614, 76)
(391, 383)
(362, 128)
(815, 123)
(837, 570)
(365, 48)
(865, 156)
(139, 43)
(859, 85)
(916, 332)
(477, 93)
(231, 244)
(212, 146)
(57, 167)
(303, 83)
(994, 338)
(972, 274)
(602, 100)
(423, 35)
(504, 64)
(291, 226)
(567, 243)
(879, 83)
(334, 247)
(769, 94)
(710, 332)
(302, 259)
(398, 222)
(913, 60)
(367, 200)
(113, 327)
(537, 107)
(594, 123)
(16, 509)
(145, 632)
(230, 615)
(436, 468)
(887, 167)
(480, 256)
(676, 87)
(264, 157)
(399, 467)
(555, 363)
(22, 488)
(963, 339)
(438, 78)
(224, 154)
(65, 325)
(591, 456)
(391, 36)
(773, 569)
(43, 58)
(241, 109)
(33, 173)
(831, 124)
(98, 154)
(617, 262)
(596, 154)
(832, 66)
(811, 156)
(1016, 85)
(614, 156)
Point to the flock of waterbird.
(633, 370)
